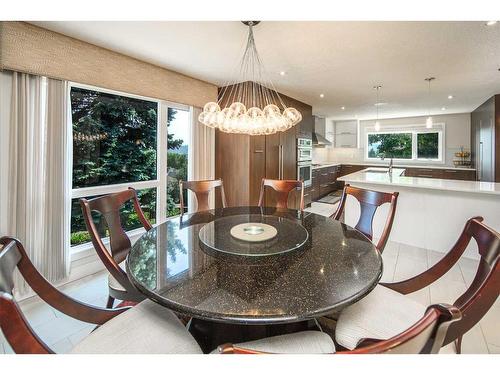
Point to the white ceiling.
(342, 60)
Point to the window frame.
(414, 130)
(160, 183)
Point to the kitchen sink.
(380, 170)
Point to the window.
(408, 144)
(428, 145)
(122, 141)
(177, 159)
(392, 145)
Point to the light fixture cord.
(429, 98)
(252, 89)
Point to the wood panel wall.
(243, 160)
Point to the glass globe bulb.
(254, 112)
(377, 125)
(271, 110)
(211, 107)
(428, 122)
(238, 108)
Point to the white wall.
(457, 134)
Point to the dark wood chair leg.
(110, 302)
(458, 345)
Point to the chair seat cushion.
(147, 328)
(305, 342)
(382, 314)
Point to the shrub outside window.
(406, 145)
(121, 141)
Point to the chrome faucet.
(391, 162)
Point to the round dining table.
(253, 266)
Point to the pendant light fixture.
(377, 104)
(428, 122)
(250, 104)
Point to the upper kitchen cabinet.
(485, 140)
(345, 134)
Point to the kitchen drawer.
(324, 189)
(324, 176)
(332, 174)
(349, 168)
(314, 192)
(447, 174)
(423, 172)
(307, 196)
(458, 174)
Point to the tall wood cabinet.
(485, 140)
(241, 161)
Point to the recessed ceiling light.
(491, 23)
(443, 108)
(321, 95)
(282, 73)
(450, 96)
(342, 108)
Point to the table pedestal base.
(211, 334)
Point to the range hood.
(318, 134)
(319, 140)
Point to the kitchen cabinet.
(350, 168)
(281, 162)
(315, 184)
(325, 181)
(447, 174)
(345, 134)
(485, 140)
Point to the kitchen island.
(431, 212)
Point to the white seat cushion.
(146, 328)
(305, 342)
(382, 314)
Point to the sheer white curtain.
(37, 187)
(201, 154)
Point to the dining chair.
(426, 336)
(369, 201)
(146, 328)
(282, 189)
(109, 207)
(201, 189)
(388, 302)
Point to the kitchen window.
(121, 141)
(406, 144)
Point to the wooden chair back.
(425, 337)
(14, 325)
(201, 189)
(369, 202)
(282, 189)
(109, 207)
(482, 293)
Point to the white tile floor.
(61, 332)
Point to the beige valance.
(32, 49)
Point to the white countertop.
(396, 179)
(384, 165)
